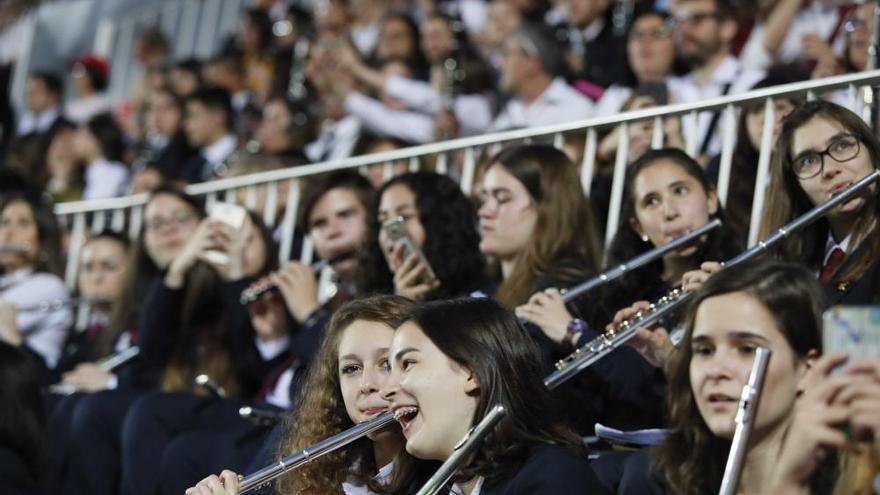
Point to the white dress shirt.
(44, 331)
(216, 154)
(473, 111)
(81, 110)
(612, 100)
(685, 89)
(386, 122)
(105, 179)
(336, 140)
(818, 18)
(31, 122)
(559, 103)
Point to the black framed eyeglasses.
(811, 163)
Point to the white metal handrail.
(727, 104)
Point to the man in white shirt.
(704, 32)
(208, 127)
(43, 98)
(532, 60)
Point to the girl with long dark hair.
(666, 194)
(773, 304)
(823, 148)
(452, 362)
(30, 263)
(441, 221)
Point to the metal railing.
(464, 152)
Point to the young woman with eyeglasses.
(95, 420)
(822, 149)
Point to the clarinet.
(269, 473)
(745, 421)
(601, 346)
(643, 259)
(463, 451)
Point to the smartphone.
(396, 230)
(655, 90)
(230, 214)
(852, 329)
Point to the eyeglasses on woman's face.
(811, 163)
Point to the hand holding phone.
(414, 272)
(231, 215)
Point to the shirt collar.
(726, 71)
(593, 30)
(219, 150)
(831, 245)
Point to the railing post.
(763, 173)
(288, 224)
(77, 239)
(728, 140)
(620, 162)
(588, 166)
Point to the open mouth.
(374, 411)
(722, 399)
(837, 189)
(405, 415)
(673, 234)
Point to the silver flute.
(108, 364)
(252, 294)
(745, 421)
(15, 249)
(601, 346)
(213, 387)
(463, 451)
(269, 473)
(643, 259)
(56, 304)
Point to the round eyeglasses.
(811, 163)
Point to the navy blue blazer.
(549, 470)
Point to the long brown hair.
(565, 230)
(691, 457)
(321, 411)
(786, 200)
(205, 342)
(141, 272)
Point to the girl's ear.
(806, 366)
(712, 200)
(637, 227)
(472, 384)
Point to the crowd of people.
(460, 306)
(302, 83)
